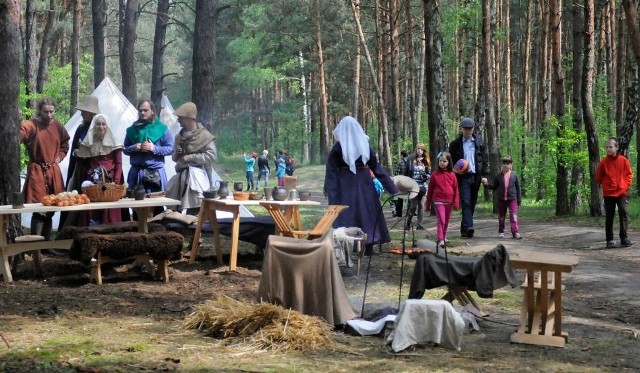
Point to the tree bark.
(10, 109)
(558, 106)
(44, 46)
(439, 139)
(488, 94)
(355, 106)
(577, 170)
(595, 207)
(99, 21)
(394, 59)
(75, 55)
(128, 26)
(632, 25)
(157, 70)
(30, 53)
(383, 118)
(204, 58)
(10, 97)
(324, 105)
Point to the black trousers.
(610, 204)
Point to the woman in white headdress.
(348, 182)
(99, 156)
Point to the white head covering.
(89, 148)
(354, 142)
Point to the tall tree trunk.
(30, 49)
(44, 46)
(411, 72)
(527, 90)
(595, 207)
(631, 113)
(621, 71)
(544, 102)
(438, 137)
(558, 107)
(383, 119)
(577, 171)
(356, 70)
(99, 18)
(204, 59)
(305, 110)
(324, 106)
(75, 55)
(467, 97)
(157, 70)
(634, 29)
(128, 26)
(10, 97)
(394, 59)
(488, 94)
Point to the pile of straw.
(263, 325)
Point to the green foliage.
(57, 87)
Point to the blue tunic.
(357, 191)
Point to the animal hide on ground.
(70, 232)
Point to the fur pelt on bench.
(158, 245)
(70, 232)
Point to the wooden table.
(143, 210)
(541, 312)
(208, 209)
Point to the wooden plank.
(535, 339)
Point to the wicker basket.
(105, 192)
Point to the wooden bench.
(97, 249)
(541, 311)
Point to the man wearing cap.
(472, 148)
(88, 109)
(194, 153)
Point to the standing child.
(249, 163)
(509, 193)
(443, 192)
(280, 171)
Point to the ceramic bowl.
(304, 195)
(255, 196)
(240, 196)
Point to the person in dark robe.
(47, 143)
(89, 107)
(348, 182)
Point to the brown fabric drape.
(304, 275)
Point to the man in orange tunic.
(47, 143)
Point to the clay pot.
(237, 186)
(139, 192)
(223, 192)
(268, 194)
(280, 193)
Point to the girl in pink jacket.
(443, 193)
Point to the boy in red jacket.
(443, 192)
(614, 175)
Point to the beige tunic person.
(194, 154)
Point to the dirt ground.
(61, 323)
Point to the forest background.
(546, 81)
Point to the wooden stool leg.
(37, 263)
(96, 271)
(163, 271)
